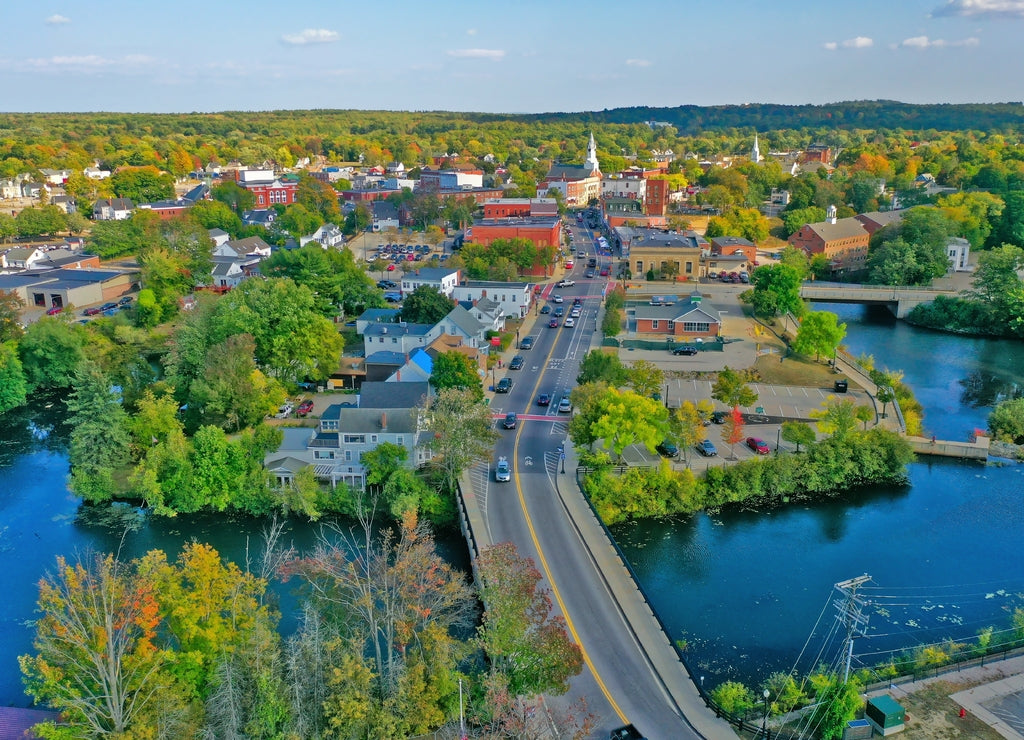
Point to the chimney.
(383, 420)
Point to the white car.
(282, 413)
(557, 299)
(575, 313)
(502, 472)
(566, 283)
(570, 322)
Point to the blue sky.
(507, 57)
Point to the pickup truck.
(565, 283)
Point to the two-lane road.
(618, 682)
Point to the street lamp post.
(764, 723)
(778, 439)
(517, 338)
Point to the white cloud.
(492, 54)
(311, 36)
(637, 63)
(923, 42)
(982, 8)
(471, 32)
(831, 45)
(56, 19)
(858, 42)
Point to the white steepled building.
(755, 153)
(591, 163)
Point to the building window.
(355, 439)
(702, 327)
(348, 455)
(329, 426)
(323, 455)
(689, 268)
(639, 266)
(400, 440)
(373, 438)
(654, 324)
(261, 200)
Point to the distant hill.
(867, 114)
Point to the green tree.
(522, 640)
(776, 290)
(299, 221)
(798, 433)
(35, 222)
(687, 427)
(99, 439)
(730, 387)
(232, 393)
(8, 227)
(11, 307)
(13, 388)
(598, 365)
(645, 378)
(820, 332)
(997, 284)
(215, 214)
(585, 402)
(836, 418)
(747, 223)
(624, 418)
(51, 352)
(794, 219)
(426, 305)
(335, 278)
(864, 414)
(837, 703)
(462, 432)
(1006, 422)
(733, 697)
(142, 184)
(455, 370)
(234, 196)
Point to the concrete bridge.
(900, 300)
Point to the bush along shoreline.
(825, 469)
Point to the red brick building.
(520, 208)
(657, 197)
(543, 232)
(689, 320)
(844, 241)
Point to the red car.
(758, 445)
(54, 310)
(304, 408)
(553, 323)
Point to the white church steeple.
(591, 163)
(755, 153)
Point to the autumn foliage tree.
(96, 658)
(732, 430)
(523, 642)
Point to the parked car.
(565, 405)
(758, 445)
(526, 343)
(54, 310)
(545, 309)
(510, 420)
(570, 322)
(284, 411)
(706, 448)
(304, 408)
(125, 300)
(687, 349)
(502, 471)
(504, 385)
(719, 417)
(841, 386)
(544, 399)
(517, 363)
(667, 449)
(108, 306)
(92, 311)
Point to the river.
(744, 590)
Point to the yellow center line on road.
(543, 560)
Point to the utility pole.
(851, 613)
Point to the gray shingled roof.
(380, 395)
(368, 421)
(465, 321)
